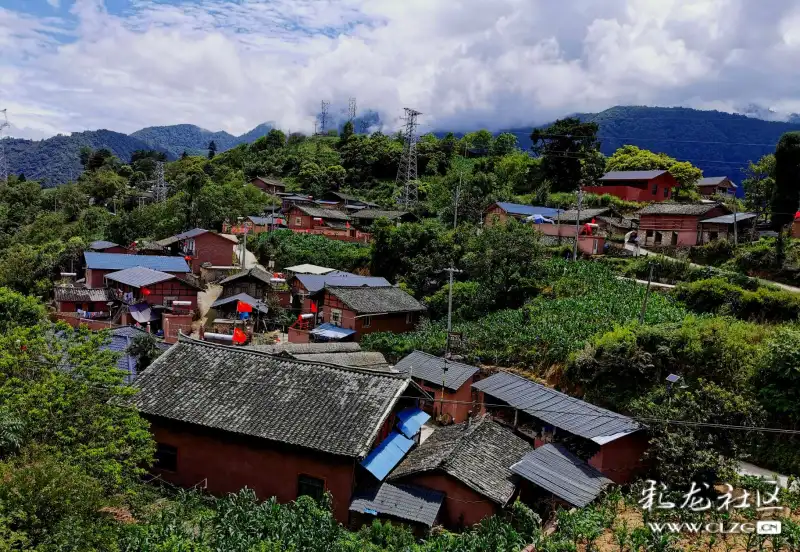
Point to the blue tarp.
(539, 219)
(387, 455)
(410, 420)
(330, 331)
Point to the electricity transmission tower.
(323, 116)
(4, 124)
(159, 184)
(407, 169)
(351, 109)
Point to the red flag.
(797, 215)
(347, 225)
(145, 292)
(593, 221)
(313, 307)
(187, 258)
(243, 307)
(239, 336)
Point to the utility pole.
(577, 226)
(407, 168)
(735, 226)
(646, 293)
(4, 124)
(452, 270)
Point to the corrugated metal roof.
(728, 219)
(308, 269)
(139, 276)
(632, 175)
(528, 210)
(430, 368)
(329, 331)
(120, 261)
(555, 469)
(244, 298)
(411, 420)
(400, 501)
(315, 282)
(557, 409)
(387, 455)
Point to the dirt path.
(204, 301)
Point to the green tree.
(504, 144)
(184, 155)
(334, 178)
(759, 183)
(347, 133)
(779, 376)
(562, 146)
(478, 142)
(786, 194)
(312, 178)
(212, 149)
(98, 159)
(276, 139)
(144, 348)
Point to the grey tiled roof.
(631, 175)
(360, 359)
(619, 222)
(692, 209)
(430, 368)
(351, 198)
(376, 300)
(555, 469)
(244, 298)
(308, 348)
(376, 213)
(139, 276)
(269, 219)
(318, 406)
(713, 181)
(400, 501)
(190, 234)
(256, 272)
(323, 213)
(586, 214)
(557, 409)
(271, 181)
(68, 293)
(479, 455)
(99, 245)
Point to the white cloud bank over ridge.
(231, 65)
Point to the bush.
(715, 253)
(718, 296)
(470, 301)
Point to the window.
(409, 318)
(666, 192)
(298, 221)
(310, 486)
(655, 189)
(166, 457)
(366, 322)
(336, 317)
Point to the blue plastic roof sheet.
(387, 455)
(331, 332)
(410, 421)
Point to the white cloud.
(54, 3)
(231, 65)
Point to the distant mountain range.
(721, 144)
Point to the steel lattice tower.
(323, 116)
(407, 169)
(351, 109)
(159, 185)
(4, 124)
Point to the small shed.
(721, 228)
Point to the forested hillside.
(721, 144)
(194, 140)
(57, 160)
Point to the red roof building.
(636, 185)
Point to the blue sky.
(72, 65)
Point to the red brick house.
(100, 264)
(543, 415)
(307, 289)
(203, 246)
(330, 223)
(281, 427)
(71, 299)
(453, 385)
(636, 185)
(470, 464)
(269, 184)
(103, 246)
(716, 185)
(365, 310)
(143, 285)
(675, 224)
(502, 211)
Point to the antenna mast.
(407, 169)
(4, 124)
(323, 116)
